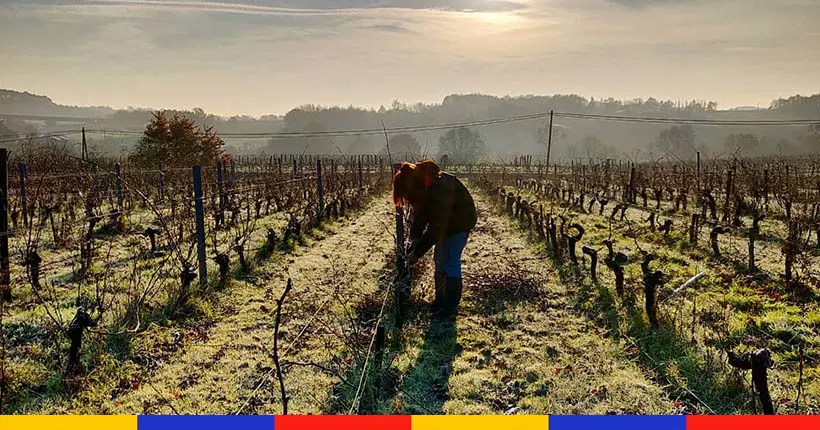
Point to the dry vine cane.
(279, 304)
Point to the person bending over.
(443, 215)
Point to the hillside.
(25, 103)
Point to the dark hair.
(411, 181)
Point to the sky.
(267, 57)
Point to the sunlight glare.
(496, 18)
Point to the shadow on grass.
(701, 380)
(598, 304)
(429, 378)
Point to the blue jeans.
(447, 254)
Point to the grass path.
(518, 345)
(215, 368)
(729, 308)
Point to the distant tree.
(360, 145)
(154, 145)
(210, 148)
(403, 147)
(811, 142)
(591, 147)
(314, 144)
(678, 141)
(802, 106)
(558, 135)
(176, 142)
(6, 131)
(461, 145)
(745, 143)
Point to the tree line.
(572, 138)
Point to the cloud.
(267, 56)
(285, 7)
(649, 3)
(390, 28)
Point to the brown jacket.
(448, 209)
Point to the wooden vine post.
(694, 227)
(200, 226)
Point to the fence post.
(5, 279)
(118, 172)
(200, 226)
(549, 142)
(85, 147)
(293, 172)
(22, 168)
(319, 194)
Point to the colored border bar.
(406, 422)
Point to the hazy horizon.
(267, 57)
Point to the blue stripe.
(617, 422)
(205, 422)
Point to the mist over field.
(573, 137)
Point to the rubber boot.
(441, 279)
(452, 297)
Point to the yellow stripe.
(68, 422)
(480, 422)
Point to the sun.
(496, 18)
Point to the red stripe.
(747, 422)
(342, 422)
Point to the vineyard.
(280, 284)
